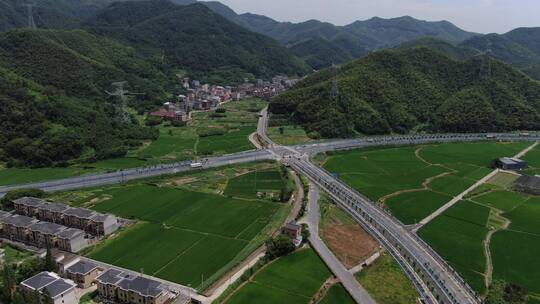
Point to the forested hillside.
(195, 39)
(414, 90)
(53, 102)
(451, 50)
(520, 47)
(42, 127)
(59, 14)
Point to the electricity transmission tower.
(335, 88)
(485, 68)
(30, 8)
(121, 106)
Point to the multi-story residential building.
(44, 234)
(52, 212)
(72, 240)
(102, 224)
(31, 231)
(125, 288)
(83, 273)
(28, 206)
(90, 221)
(16, 227)
(59, 290)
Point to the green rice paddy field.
(173, 144)
(415, 181)
(515, 251)
(337, 294)
(459, 234)
(247, 185)
(291, 279)
(387, 283)
(182, 236)
(533, 158)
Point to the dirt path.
(417, 154)
(323, 290)
(488, 275)
(425, 183)
(425, 187)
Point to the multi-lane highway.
(345, 144)
(434, 279)
(122, 176)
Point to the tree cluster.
(279, 246)
(13, 274)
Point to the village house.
(61, 291)
(90, 221)
(72, 240)
(31, 231)
(16, 227)
(44, 234)
(83, 273)
(125, 288)
(294, 231)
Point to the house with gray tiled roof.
(28, 206)
(92, 222)
(43, 234)
(61, 291)
(52, 212)
(15, 227)
(125, 288)
(33, 232)
(72, 240)
(83, 273)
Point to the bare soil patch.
(185, 180)
(350, 243)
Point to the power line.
(31, 22)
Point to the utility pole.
(31, 22)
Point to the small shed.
(507, 163)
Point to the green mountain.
(195, 39)
(520, 47)
(451, 50)
(313, 39)
(58, 14)
(413, 90)
(320, 53)
(54, 107)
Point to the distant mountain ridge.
(195, 39)
(519, 47)
(350, 41)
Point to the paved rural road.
(359, 294)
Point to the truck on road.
(196, 165)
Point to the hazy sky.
(483, 16)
